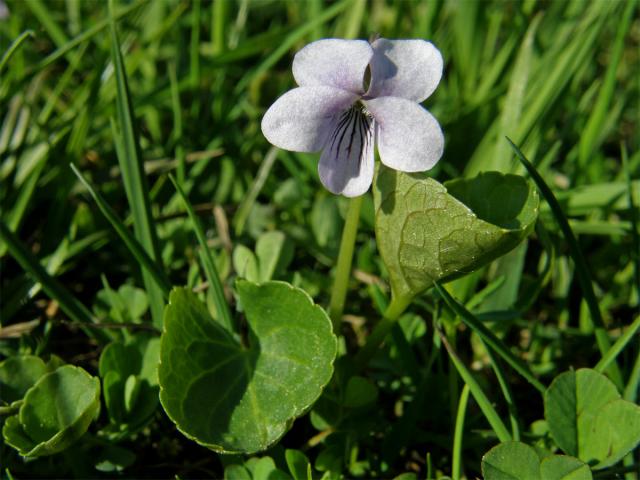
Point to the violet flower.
(331, 110)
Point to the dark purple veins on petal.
(353, 125)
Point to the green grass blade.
(495, 72)
(129, 240)
(598, 115)
(194, 53)
(290, 41)
(508, 395)
(36, 157)
(53, 99)
(133, 174)
(113, 299)
(222, 308)
(26, 189)
(466, 44)
(68, 303)
(583, 199)
(618, 346)
(456, 454)
(514, 101)
(84, 36)
(353, 19)
(177, 123)
(481, 399)
(15, 45)
(635, 222)
(53, 264)
(314, 8)
(218, 26)
(559, 70)
(582, 272)
(633, 386)
(245, 207)
(489, 338)
(42, 13)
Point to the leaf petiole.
(396, 308)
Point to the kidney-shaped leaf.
(428, 232)
(518, 461)
(56, 411)
(232, 397)
(18, 374)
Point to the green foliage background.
(560, 78)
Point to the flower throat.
(354, 124)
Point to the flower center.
(366, 81)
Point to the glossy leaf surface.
(236, 398)
(56, 411)
(19, 374)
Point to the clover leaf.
(518, 461)
(588, 419)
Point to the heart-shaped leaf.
(298, 464)
(518, 461)
(127, 304)
(588, 419)
(18, 374)
(360, 391)
(56, 411)
(235, 398)
(245, 263)
(274, 252)
(129, 381)
(427, 232)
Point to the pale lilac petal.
(333, 62)
(409, 137)
(346, 163)
(302, 119)
(408, 69)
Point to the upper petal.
(333, 62)
(409, 137)
(302, 119)
(409, 69)
(346, 163)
